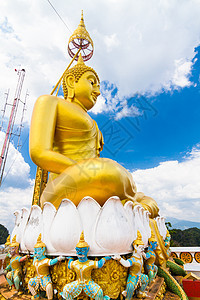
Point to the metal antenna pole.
(4, 151)
(4, 109)
(22, 118)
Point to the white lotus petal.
(145, 230)
(15, 231)
(163, 227)
(138, 221)
(158, 224)
(33, 227)
(22, 226)
(89, 210)
(113, 231)
(66, 228)
(147, 223)
(128, 206)
(48, 214)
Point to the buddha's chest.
(70, 116)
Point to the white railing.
(187, 254)
(191, 257)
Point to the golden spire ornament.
(81, 39)
(79, 42)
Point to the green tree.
(186, 238)
(3, 234)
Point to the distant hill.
(182, 224)
(185, 238)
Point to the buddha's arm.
(42, 136)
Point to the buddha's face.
(86, 90)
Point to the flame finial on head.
(152, 238)
(7, 243)
(138, 240)
(82, 243)
(14, 242)
(39, 243)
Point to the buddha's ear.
(70, 82)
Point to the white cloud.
(139, 45)
(182, 72)
(174, 185)
(12, 199)
(17, 187)
(100, 106)
(111, 41)
(17, 171)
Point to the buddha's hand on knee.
(116, 257)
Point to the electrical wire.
(59, 15)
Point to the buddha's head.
(81, 85)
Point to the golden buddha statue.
(66, 141)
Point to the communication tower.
(9, 133)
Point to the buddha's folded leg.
(99, 178)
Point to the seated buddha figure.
(66, 141)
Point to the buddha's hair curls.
(77, 71)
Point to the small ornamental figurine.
(14, 269)
(136, 280)
(150, 267)
(83, 268)
(42, 280)
(7, 250)
(167, 243)
(7, 244)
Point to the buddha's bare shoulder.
(48, 98)
(45, 99)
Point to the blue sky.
(167, 129)
(148, 111)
